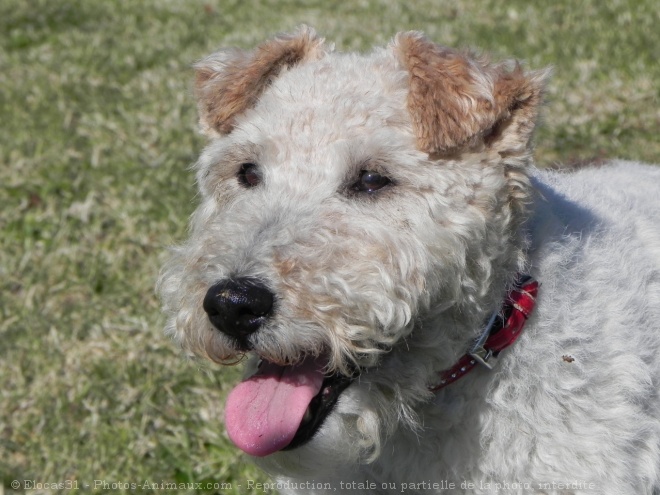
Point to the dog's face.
(345, 201)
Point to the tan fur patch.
(455, 97)
(230, 82)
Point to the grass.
(97, 131)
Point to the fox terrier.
(423, 311)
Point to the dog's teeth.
(308, 415)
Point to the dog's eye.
(248, 175)
(370, 181)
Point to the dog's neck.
(501, 331)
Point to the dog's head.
(359, 216)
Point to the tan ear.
(229, 82)
(455, 97)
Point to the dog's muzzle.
(239, 307)
(280, 407)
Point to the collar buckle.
(478, 351)
(485, 357)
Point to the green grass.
(97, 131)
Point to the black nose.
(238, 307)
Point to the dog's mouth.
(281, 407)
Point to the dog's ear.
(455, 97)
(230, 81)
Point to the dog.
(422, 310)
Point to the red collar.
(502, 330)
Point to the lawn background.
(97, 133)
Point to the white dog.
(371, 231)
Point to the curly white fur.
(400, 282)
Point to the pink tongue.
(264, 412)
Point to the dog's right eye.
(248, 175)
(371, 181)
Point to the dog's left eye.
(371, 181)
(248, 175)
